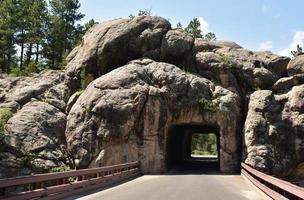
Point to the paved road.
(179, 187)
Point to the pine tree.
(7, 34)
(179, 25)
(37, 20)
(297, 52)
(62, 30)
(210, 36)
(194, 28)
(23, 26)
(145, 12)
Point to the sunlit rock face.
(274, 128)
(125, 115)
(129, 81)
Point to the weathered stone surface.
(34, 137)
(296, 66)
(176, 46)
(285, 84)
(125, 115)
(17, 91)
(274, 130)
(111, 44)
(72, 101)
(238, 69)
(204, 45)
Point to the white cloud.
(265, 46)
(204, 25)
(298, 38)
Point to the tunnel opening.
(193, 148)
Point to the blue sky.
(274, 25)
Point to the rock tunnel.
(179, 155)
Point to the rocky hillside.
(131, 80)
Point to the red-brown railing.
(275, 188)
(63, 184)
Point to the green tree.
(298, 51)
(210, 36)
(23, 27)
(8, 8)
(62, 30)
(179, 25)
(204, 144)
(146, 12)
(89, 25)
(194, 28)
(37, 21)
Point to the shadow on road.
(202, 167)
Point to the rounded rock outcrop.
(296, 66)
(126, 114)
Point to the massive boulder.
(130, 81)
(239, 69)
(112, 44)
(33, 139)
(296, 66)
(125, 115)
(274, 130)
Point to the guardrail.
(275, 188)
(63, 184)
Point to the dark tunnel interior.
(178, 152)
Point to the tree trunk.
(29, 54)
(37, 53)
(8, 65)
(22, 49)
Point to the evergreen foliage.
(145, 12)
(194, 28)
(210, 36)
(298, 51)
(38, 34)
(204, 144)
(5, 115)
(207, 105)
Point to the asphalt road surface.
(179, 187)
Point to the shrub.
(226, 60)
(62, 169)
(5, 115)
(59, 169)
(31, 69)
(207, 105)
(27, 157)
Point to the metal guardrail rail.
(275, 188)
(63, 184)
